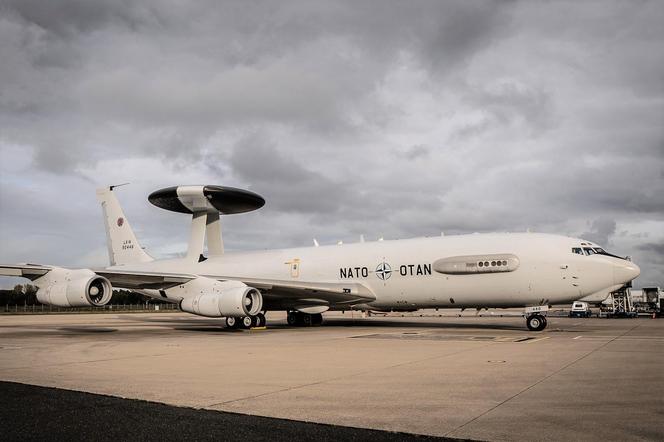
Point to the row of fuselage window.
(492, 263)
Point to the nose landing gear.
(536, 322)
(535, 319)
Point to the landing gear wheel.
(536, 322)
(292, 318)
(295, 318)
(248, 322)
(260, 320)
(232, 322)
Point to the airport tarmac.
(485, 378)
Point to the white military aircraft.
(503, 270)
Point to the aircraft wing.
(277, 293)
(144, 280)
(30, 271)
(118, 278)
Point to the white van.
(580, 310)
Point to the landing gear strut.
(296, 318)
(536, 322)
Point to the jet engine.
(208, 297)
(73, 288)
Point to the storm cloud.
(388, 119)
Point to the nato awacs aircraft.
(526, 270)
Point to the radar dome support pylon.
(206, 204)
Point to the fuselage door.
(572, 269)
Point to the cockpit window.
(593, 251)
(601, 251)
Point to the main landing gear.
(246, 321)
(296, 318)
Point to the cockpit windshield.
(587, 251)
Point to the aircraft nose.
(624, 272)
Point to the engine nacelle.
(211, 298)
(73, 288)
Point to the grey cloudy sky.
(392, 119)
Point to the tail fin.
(123, 247)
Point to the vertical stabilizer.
(123, 247)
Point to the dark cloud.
(657, 248)
(650, 257)
(601, 231)
(392, 119)
(65, 18)
(288, 186)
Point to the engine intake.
(73, 288)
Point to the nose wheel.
(536, 322)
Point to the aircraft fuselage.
(403, 274)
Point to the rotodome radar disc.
(222, 199)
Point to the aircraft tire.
(535, 322)
(292, 318)
(317, 319)
(260, 320)
(247, 321)
(232, 322)
(307, 320)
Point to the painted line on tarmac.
(622, 338)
